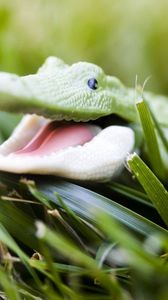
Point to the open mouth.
(68, 149)
(54, 136)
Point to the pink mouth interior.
(51, 138)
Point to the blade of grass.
(18, 223)
(76, 270)
(161, 132)
(82, 228)
(82, 202)
(103, 252)
(151, 139)
(129, 192)
(137, 256)
(10, 243)
(9, 286)
(151, 184)
(27, 295)
(63, 289)
(70, 250)
(42, 198)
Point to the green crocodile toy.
(55, 137)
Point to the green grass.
(61, 240)
(151, 139)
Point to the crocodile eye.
(92, 83)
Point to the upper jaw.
(98, 159)
(61, 94)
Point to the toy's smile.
(68, 149)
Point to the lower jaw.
(98, 158)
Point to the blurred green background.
(125, 37)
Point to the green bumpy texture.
(61, 91)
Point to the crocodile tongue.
(52, 137)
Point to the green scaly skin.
(60, 91)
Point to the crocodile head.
(79, 92)
(55, 137)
